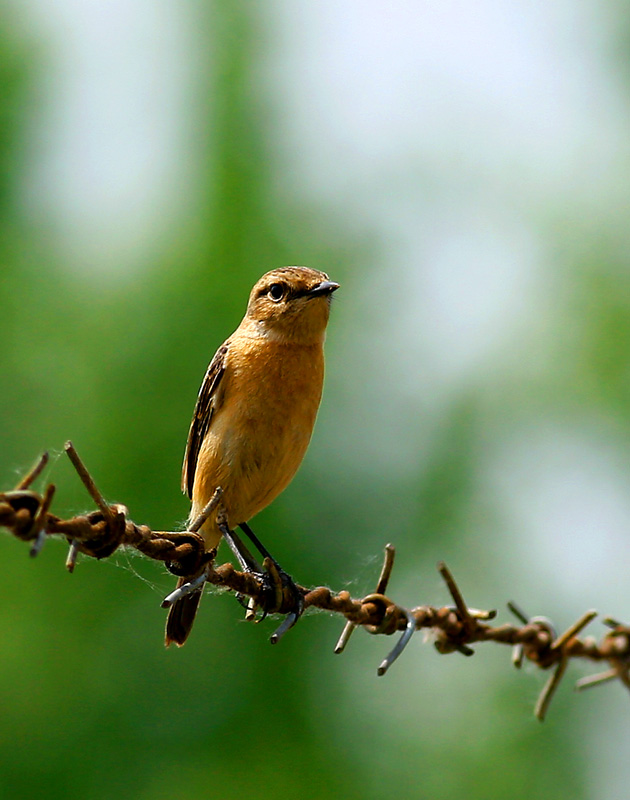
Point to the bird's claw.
(279, 591)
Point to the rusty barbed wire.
(26, 515)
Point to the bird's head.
(292, 304)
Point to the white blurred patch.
(490, 90)
(114, 136)
(565, 493)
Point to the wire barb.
(287, 623)
(542, 704)
(381, 588)
(595, 680)
(573, 630)
(518, 612)
(26, 515)
(41, 517)
(206, 511)
(184, 589)
(36, 547)
(87, 480)
(458, 599)
(34, 473)
(400, 645)
(71, 558)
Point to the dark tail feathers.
(181, 616)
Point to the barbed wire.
(26, 514)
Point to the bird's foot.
(282, 592)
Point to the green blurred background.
(463, 170)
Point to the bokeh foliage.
(92, 705)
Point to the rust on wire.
(26, 515)
(381, 588)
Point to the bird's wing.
(204, 410)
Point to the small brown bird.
(255, 410)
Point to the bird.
(255, 412)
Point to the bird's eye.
(276, 291)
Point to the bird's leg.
(286, 581)
(247, 563)
(256, 542)
(245, 559)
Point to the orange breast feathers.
(262, 423)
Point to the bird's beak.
(323, 288)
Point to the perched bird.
(255, 410)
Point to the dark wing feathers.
(202, 417)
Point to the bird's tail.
(182, 615)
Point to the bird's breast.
(260, 433)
